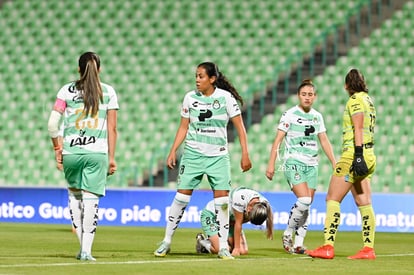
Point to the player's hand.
(171, 160)
(359, 166)
(112, 167)
(245, 163)
(59, 159)
(235, 252)
(270, 173)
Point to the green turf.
(51, 249)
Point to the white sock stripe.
(306, 201)
(182, 198)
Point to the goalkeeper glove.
(359, 166)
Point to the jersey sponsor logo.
(309, 129)
(77, 99)
(236, 107)
(204, 114)
(307, 144)
(212, 131)
(238, 204)
(82, 140)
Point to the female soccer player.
(89, 109)
(205, 114)
(246, 205)
(301, 126)
(353, 170)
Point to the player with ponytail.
(86, 152)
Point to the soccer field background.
(51, 249)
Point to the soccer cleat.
(162, 250)
(86, 257)
(225, 254)
(199, 247)
(287, 243)
(366, 253)
(299, 250)
(323, 252)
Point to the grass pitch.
(51, 249)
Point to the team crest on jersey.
(216, 104)
(297, 176)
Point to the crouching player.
(247, 205)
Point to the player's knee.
(303, 203)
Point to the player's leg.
(300, 235)
(338, 188)
(297, 219)
(218, 174)
(72, 166)
(94, 177)
(89, 224)
(311, 177)
(177, 208)
(210, 229)
(75, 208)
(189, 178)
(361, 191)
(297, 177)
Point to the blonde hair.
(260, 212)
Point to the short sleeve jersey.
(209, 116)
(85, 134)
(241, 196)
(302, 129)
(359, 102)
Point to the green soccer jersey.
(85, 134)
(209, 116)
(302, 129)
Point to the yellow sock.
(368, 225)
(332, 220)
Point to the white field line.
(162, 261)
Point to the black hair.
(221, 80)
(355, 82)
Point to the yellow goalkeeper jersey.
(357, 103)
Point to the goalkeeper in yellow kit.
(353, 171)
